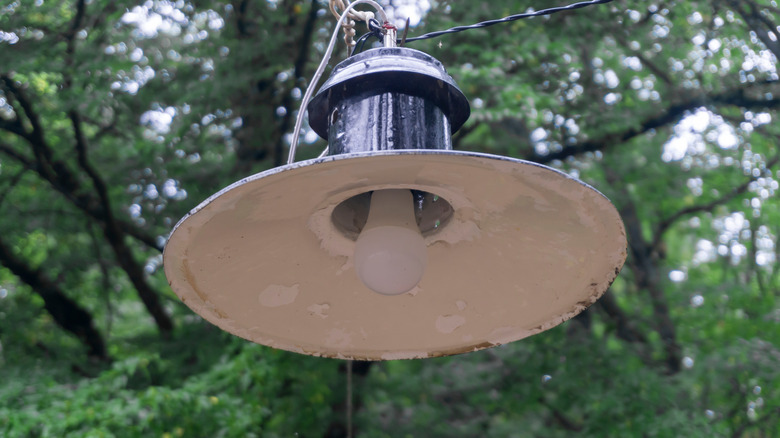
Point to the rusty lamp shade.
(501, 248)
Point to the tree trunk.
(65, 312)
(646, 275)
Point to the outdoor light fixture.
(393, 245)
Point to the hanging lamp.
(393, 245)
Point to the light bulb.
(390, 253)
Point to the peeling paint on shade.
(494, 273)
(449, 323)
(276, 295)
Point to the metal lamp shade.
(513, 247)
(526, 248)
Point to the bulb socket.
(431, 213)
(388, 99)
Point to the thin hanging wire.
(349, 25)
(350, 14)
(321, 68)
(374, 30)
(508, 19)
(349, 399)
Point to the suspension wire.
(321, 68)
(361, 42)
(374, 30)
(349, 25)
(508, 19)
(350, 14)
(349, 399)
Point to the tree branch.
(758, 24)
(649, 16)
(81, 202)
(36, 136)
(643, 59)
(106, 277)
(300, 64)
(737, 97)
(13, 126)
(560, 417)
(646, 276)
(464, 131)
(664, 225)
(241, 21)
(70, 38)
(97, 181)
(115, 236)
(70, 35)
(56, 172)
(65, 312)
(11, 152)
(770, 416)
(64, 180)
(625, 328)
(305, 42)
(14, 181)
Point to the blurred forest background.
(118, 117)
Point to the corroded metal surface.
(386, 121)
(527, 247)
(397, 70)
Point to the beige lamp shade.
(525, 248)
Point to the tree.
(116, 118)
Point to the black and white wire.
(375, 30)
(372, 29)
(508, 19)
(318, 73)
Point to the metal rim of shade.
(527, 248)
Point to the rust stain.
(201, 295)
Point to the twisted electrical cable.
(375, 30)
(321, 68)
(349, 13)
(510, 18)
(349, 24)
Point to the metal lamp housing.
(514, 248)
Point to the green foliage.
(200, 384)
(668, 108)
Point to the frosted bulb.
(390, 253)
